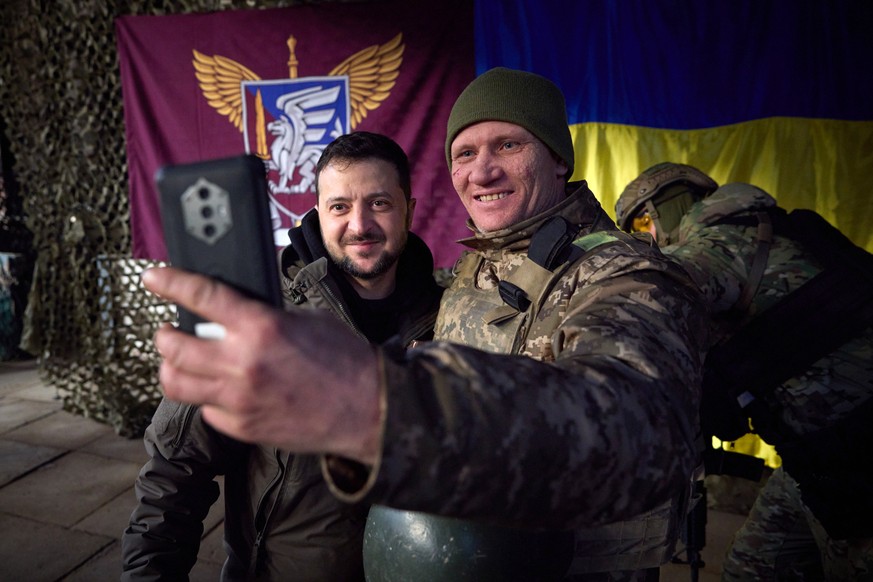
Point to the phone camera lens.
(209, 230)
(203, 193)
(206, 212)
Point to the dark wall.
(88, 321)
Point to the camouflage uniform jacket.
(281, 521)
(719, 257)
(581, 412)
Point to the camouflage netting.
(88, 321)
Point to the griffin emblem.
(288, 122)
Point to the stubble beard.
(385, 261)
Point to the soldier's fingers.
(202, 295)
(183, 382)
(183, 351)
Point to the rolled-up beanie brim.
(525, 99)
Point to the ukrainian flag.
(777, 93)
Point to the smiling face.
(504, 174)
(364, 217)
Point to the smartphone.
(216, 220)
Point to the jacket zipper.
(419, 328)
(259, 537)
(339, 306)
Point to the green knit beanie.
(518, 97)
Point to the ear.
(410, 211)
(562, 169)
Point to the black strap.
(513, 295)
(549, 247)
(787, 338)
(759, 263)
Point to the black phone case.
(216, 221)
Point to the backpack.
(779, 344)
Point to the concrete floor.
(66, 492)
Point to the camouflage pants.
(781, 540)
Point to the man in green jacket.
(354, 257)
(561, 395)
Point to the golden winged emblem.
(294, 151)
(372, 74)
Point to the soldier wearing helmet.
(674, 187)
(767, 275)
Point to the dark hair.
(362, 145)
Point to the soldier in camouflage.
(595, 316)
(714, 233)
(541, 437)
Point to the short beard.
(385, 262)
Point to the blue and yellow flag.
(778, 93)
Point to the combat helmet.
(641, 193)
(408, 545)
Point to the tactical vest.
(503, 319)
(500, 319)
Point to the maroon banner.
(281, 84)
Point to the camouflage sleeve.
(720, 257)
(604, 432)
(717, 259)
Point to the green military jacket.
(581, 412)
(719, 258)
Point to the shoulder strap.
(804, 326)
(553, 245)
(764, 237)
(466, 265)
(764, 223)
(549, 247)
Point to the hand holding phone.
(216, 221)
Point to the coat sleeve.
(718, 258)
(605, 431)
(174, 491)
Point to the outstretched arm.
(300, 381)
